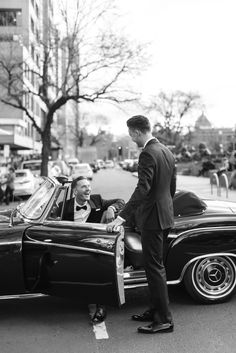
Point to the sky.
(193, 48)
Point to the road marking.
(100, 329)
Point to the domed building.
(205, 133)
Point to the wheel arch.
(229, 255)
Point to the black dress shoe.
(146, 316)
(155, 327)
(99, 316)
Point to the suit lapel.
(96, 211)
(70, 210)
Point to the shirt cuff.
(113, 208)
(122, 219)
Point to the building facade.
(22, 31)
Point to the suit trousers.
(152, 244)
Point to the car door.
(63, 258)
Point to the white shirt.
(151, 138)
(81, 216)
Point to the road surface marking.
(100, 329)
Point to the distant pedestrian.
(9, 192)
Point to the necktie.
(78, 208)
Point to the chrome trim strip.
(134, 274)
(145, 284)
(135, 280)
(96, 251)
(198, 230)
(138, 285)
(22, 296)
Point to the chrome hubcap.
(214, 277)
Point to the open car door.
(83, 261)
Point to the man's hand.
(108, 215)
(113, 226)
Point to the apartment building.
(23, 26)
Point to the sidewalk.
(202, 187)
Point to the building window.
(32, 25)
(32, 78)
(32, 51)
(37, 60)
(32, 104)
(10, 17)
(37, 10)
(37, 35)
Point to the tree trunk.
(46, 150)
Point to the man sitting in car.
(84, 207)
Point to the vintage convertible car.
(40, 253)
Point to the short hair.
(12, 169)
(75, 181)
(139, 122)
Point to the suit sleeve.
(146, 172)
(118, 204)
(173, 182)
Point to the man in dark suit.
(84, 207)
(153, 196)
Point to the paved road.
(62, 326)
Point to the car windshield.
(35, 205)
(20, 174)
(82, 167)
(32, 166)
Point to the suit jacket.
(155, 189)
(98, 206)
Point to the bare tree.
(173, 107)
(96, 64)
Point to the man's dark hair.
(75, 181)
(139, 122)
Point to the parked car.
(101, 164)
(43, 254)
(109, 163)
(73, 161)
(25, 182)
(82, 169)
(127, 163)
(34, 165)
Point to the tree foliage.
(94, 65)
(173, 107)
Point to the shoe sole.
(170, 329)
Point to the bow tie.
(78, 208)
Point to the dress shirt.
(81, 216)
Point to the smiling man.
(87, 207)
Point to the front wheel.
(211, 280)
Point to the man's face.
(136, 136)
(82, 190)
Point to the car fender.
(196, 243)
